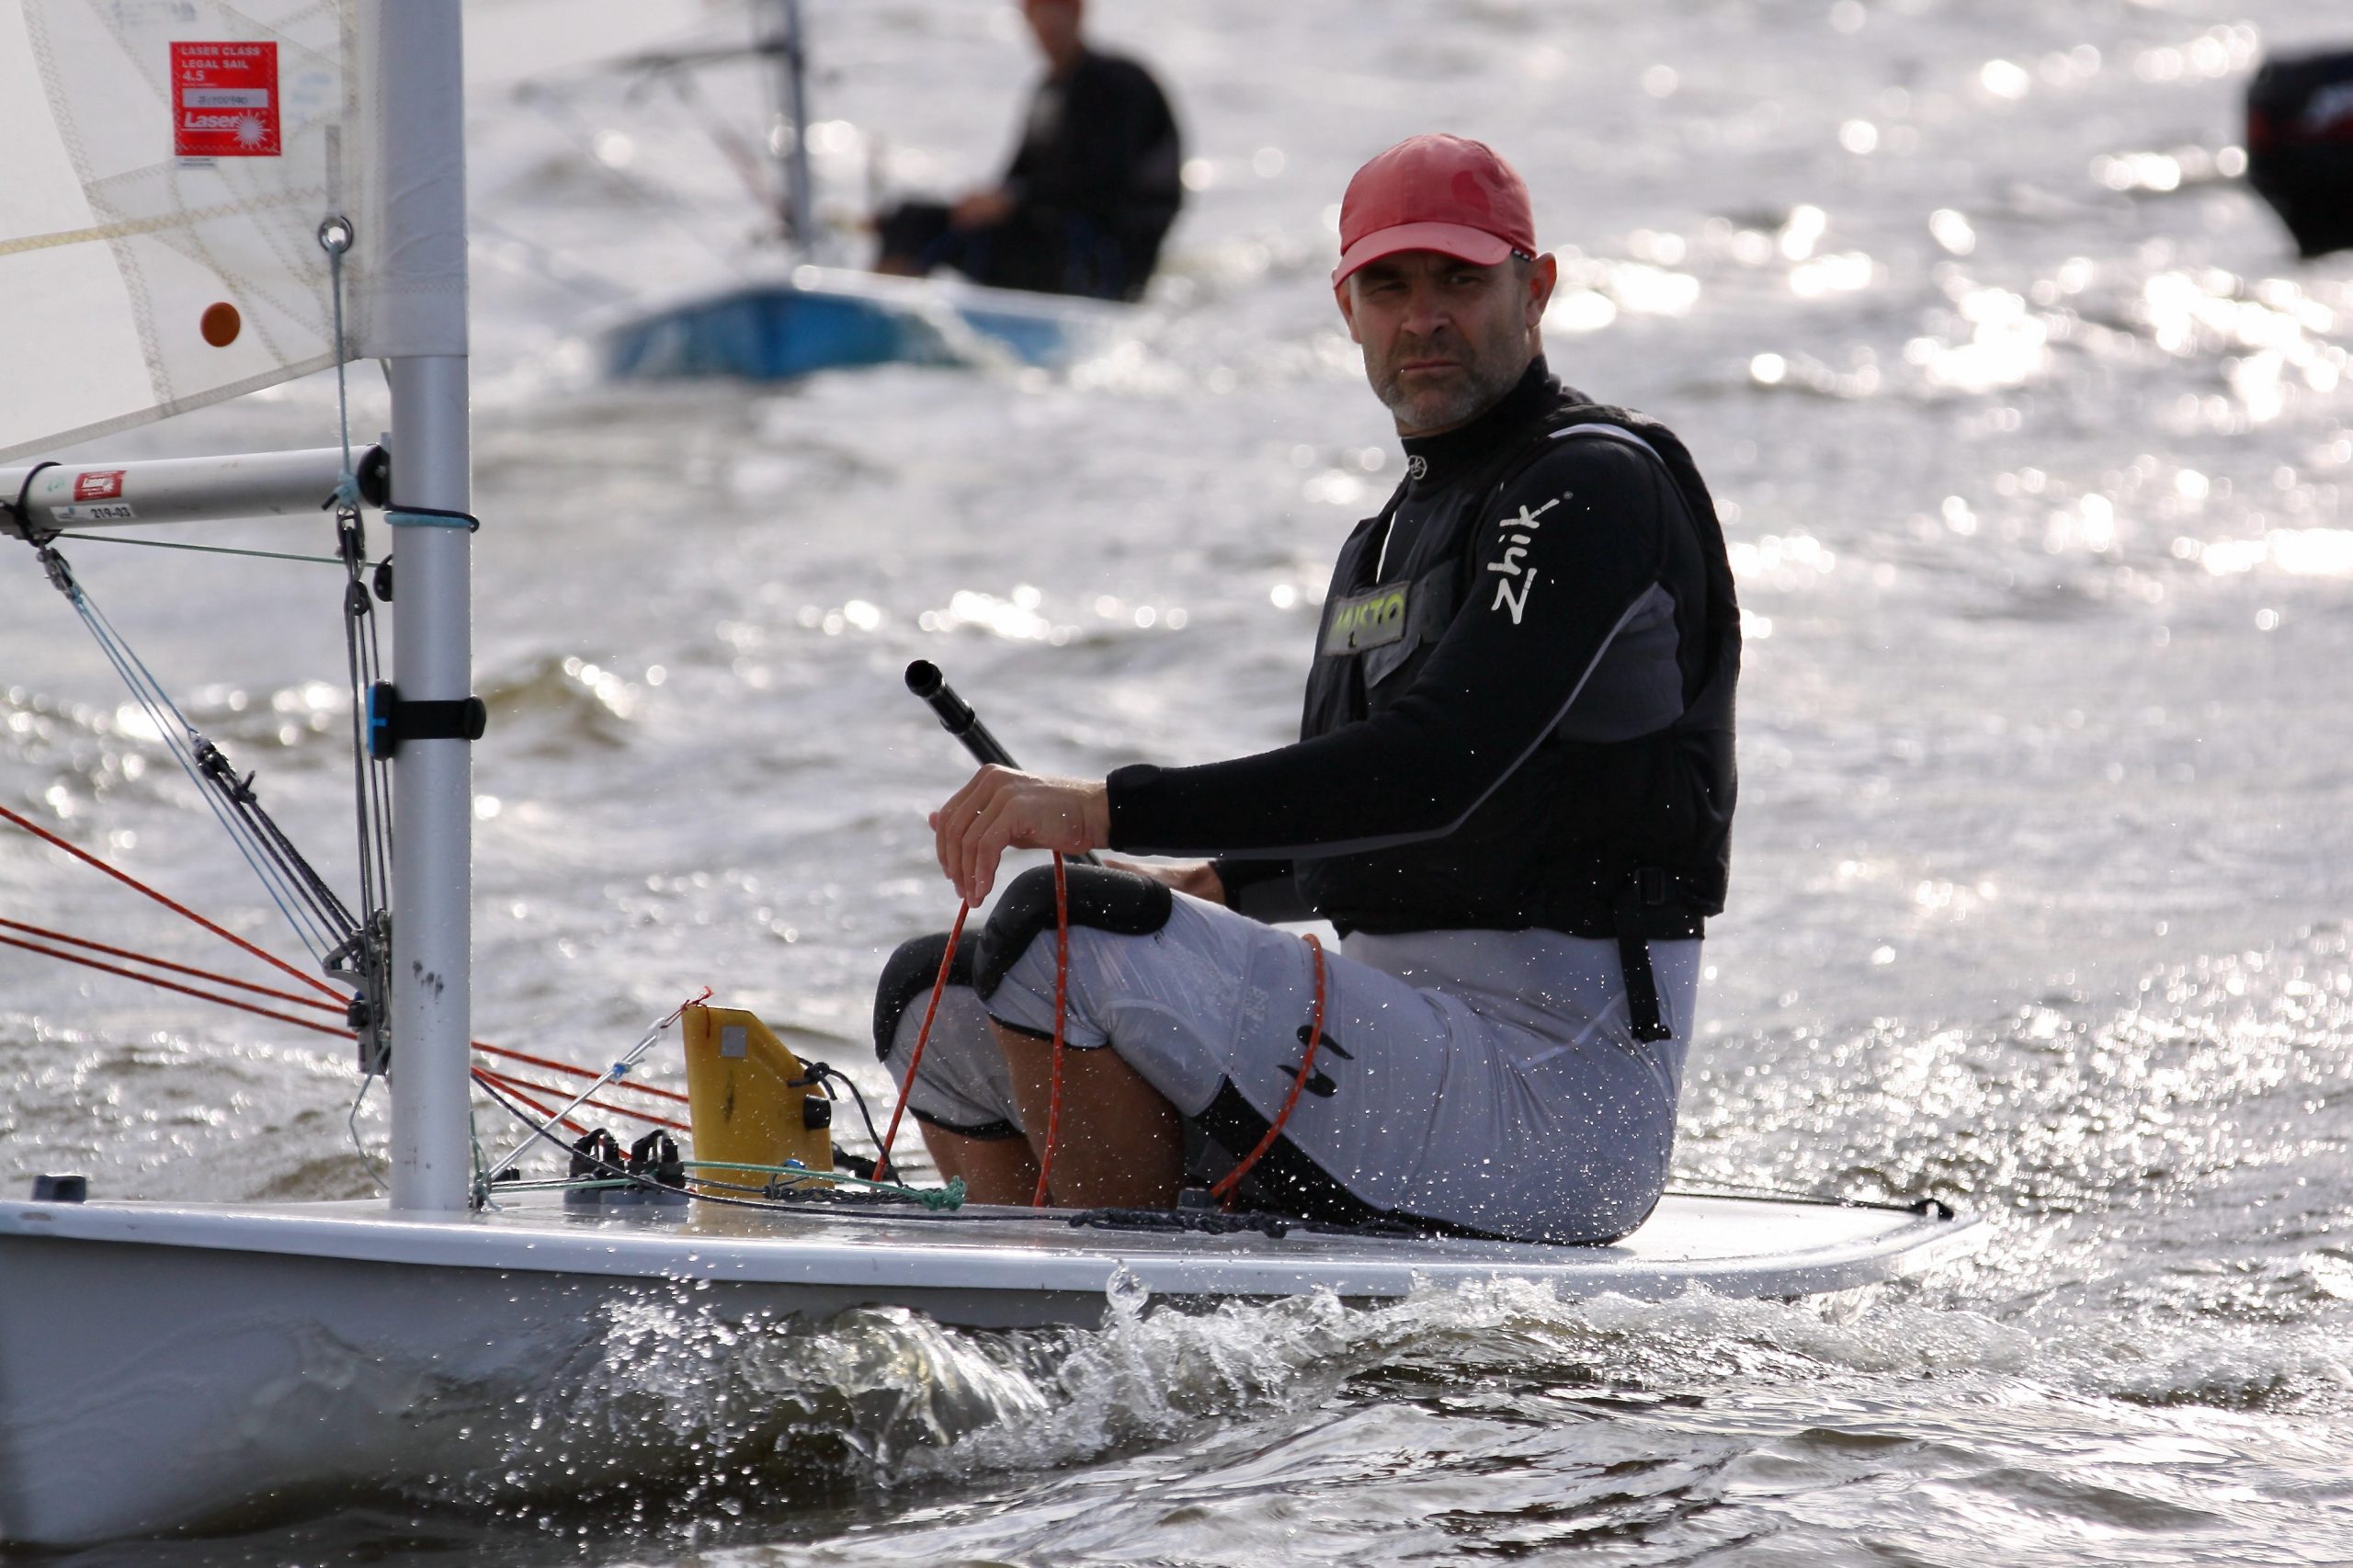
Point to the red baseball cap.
(1443, 193)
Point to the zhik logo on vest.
(1512, 592)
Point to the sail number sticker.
(224, 100)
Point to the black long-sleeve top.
(1567, 627)
(1101, 142)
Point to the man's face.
(1444, 338)
(1055, 23)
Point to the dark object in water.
(2299, 146)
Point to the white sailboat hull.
(163, 1364)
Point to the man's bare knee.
(1118, 1144)
(993, 1170)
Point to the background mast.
(787, 48)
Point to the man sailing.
(1512, 795)
(1091, 192)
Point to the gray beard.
(1483, 385)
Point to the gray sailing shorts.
(1486, 1080)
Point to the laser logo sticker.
(224, 101)
(97, 498)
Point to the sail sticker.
(224, 100)
(98, 484)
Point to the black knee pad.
(909, 974)
(1122, 903)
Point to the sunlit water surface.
(2031, 439)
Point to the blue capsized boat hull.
(819, 319)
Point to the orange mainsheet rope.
(492, 1079)
(137, 886)
(332, 1001)
(1061, 1016)
(1224, 1191)
(47, 935)
(512, 1085)
(503, 1081)
(88, 962)
(884, 1171)
(578, 1072)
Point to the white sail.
(168, 163)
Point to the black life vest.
(1629, 838)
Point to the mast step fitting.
(393, 719)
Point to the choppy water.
(2033, 440)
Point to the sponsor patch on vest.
(1370, 619)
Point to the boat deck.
(1732, 1245)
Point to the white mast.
(422, 304)
(170, 259)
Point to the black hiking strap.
(1645, 890)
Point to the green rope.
(580, 1186)
(215, 550)
(943, 1200)
(947, 1198)
(473, 1141)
